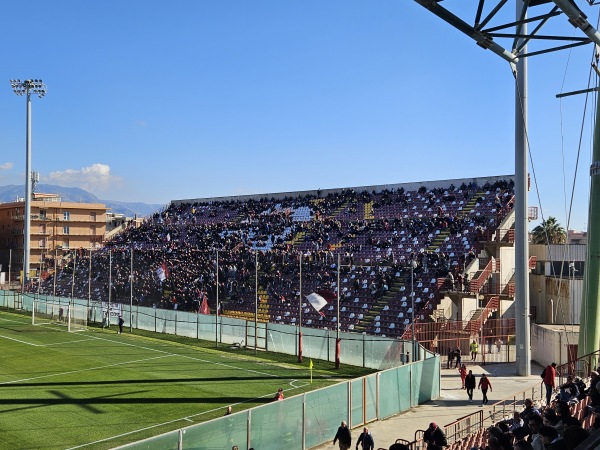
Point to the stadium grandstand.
(379, 236)
(430, 262)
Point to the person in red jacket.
(279, 394)
(549, 376)
(463, 374)
(484, 385)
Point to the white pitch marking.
(84, 370)
(229, 366)
(19, 341)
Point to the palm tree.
(549, 232)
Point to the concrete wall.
(549, 343)
(468, 304)
(507, 264)
(507, 309)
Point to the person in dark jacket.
(435, 437)
(470, 383)
(343, 437)
(366, 439)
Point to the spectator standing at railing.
(549, 381)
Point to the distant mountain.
(12, 192)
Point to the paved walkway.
(452, 404)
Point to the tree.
(549, 232)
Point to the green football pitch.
(98, 389)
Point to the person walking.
(343, 437)
(121, 322)
(463, 374)
(366, 439)
(457, 355)
(474, 348)
(450, 357)
(484, 385)
(499, 344)
(470, 383)
(549, 381)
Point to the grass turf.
(98, 389)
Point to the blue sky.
(153, 101)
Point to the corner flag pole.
(310, 366)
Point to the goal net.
(74, 317)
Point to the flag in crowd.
(320, 298)
(204, 309)
(162, 272)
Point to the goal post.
(77, 317)
(73, 316)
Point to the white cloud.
(6, 166)
(94, 178)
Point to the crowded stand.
(361, 244)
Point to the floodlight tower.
(488, 28)
(38, 88)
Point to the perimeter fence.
(296, 423)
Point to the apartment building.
(56, 227)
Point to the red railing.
(476, 324)
(476, 283)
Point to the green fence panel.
(394, 391)
(383, 353)
(167, 441)
(315, 344)
(370, 398)
(206, 326)
(187, 324)
(417, 374)
(325, 409)
(282, 339)
(356, 407)
(146, 319)
(352, 349)
(221, 433)
(277, 425)
(429, 387)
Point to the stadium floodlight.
(27, 87)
